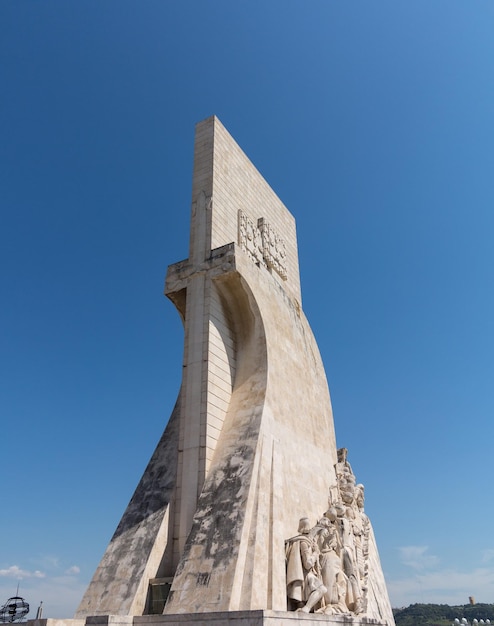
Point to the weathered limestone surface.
(250, 447)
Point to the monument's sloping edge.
(120, 583)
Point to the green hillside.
(441, 614)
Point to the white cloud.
(416, 557)
(50, 561)
(60, 595)
(430, 583)
(488, 555)
(14, 571)
(73, 570)
(444, 586)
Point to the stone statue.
(361, 528)
(305, 588)
(345, 477)
(332, 574)
(349, 559)
(327, 565)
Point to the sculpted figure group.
(326, 564)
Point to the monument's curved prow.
(250, 448)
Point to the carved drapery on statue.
(327, 564)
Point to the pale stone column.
(193, 405)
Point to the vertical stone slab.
(272, 390)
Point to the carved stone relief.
(327, 564)
(273, 248)
(262, 243)
(250, 238)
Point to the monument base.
(223, 618)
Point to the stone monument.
(249, 453)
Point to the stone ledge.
(255, 618)
(229, 618)
(55, 622)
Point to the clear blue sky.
(373, 122)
